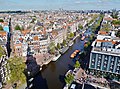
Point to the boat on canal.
(75, 53)
(63, 50)
(70, 43)
(56, 57)
(83, 38)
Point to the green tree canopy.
(52, 47)
(17, 67)
(69, 78)
(58, 46)
(52, 44)
(80, 26)
(52, 50)
(118, 34)
(85, 46)
(114, 14)
(77, 64)
(71, 35)
(1, 20)
(116, 22)
(1, 28)
(64, 42)
(17, 27)
(33, 20)
(2, 51)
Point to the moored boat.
(83, 38)
(56, 57)
(70, 43)
(63, 50)
(74, 53)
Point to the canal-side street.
(52, 75)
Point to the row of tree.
(70, 35)
(53, 48)
(116, 22)
(1, 20)
(16, 67)
(114, 14)
(93, 19)
(1, 28)
(97, 24)
(70, 77)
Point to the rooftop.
(107, 46)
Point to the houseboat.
(56, 57)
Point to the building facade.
(105, 56)
(4, 72)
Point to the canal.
(52, 75)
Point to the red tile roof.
(35, 38)
(103, 32)
(25, 32)
(3, 33)
(113, 42)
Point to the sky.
(57, 4)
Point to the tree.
(22, 28)
(118, 34)
(1, 20)
(17, 67)
(91, 37)
(2, 51)
(116, 22)
(17, 27)
(64, 42)
(58, 45)
(52, 47)
(1, 28)
(114, 14)
(33, 20)
(77, 64)
(85, 46)
(52, 50)
(71, 35)
(69, 78)
(80, 26)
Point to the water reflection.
(39, 82)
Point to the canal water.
(52, 75)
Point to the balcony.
(112, 63)
(112, 51)
(106, 58)
(112, 60)
(93, 60)
(93, 63)
(118, 65)
(111, 67)
(105, 62)
(118, 69)
(98, 65)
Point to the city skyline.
(56, 4)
